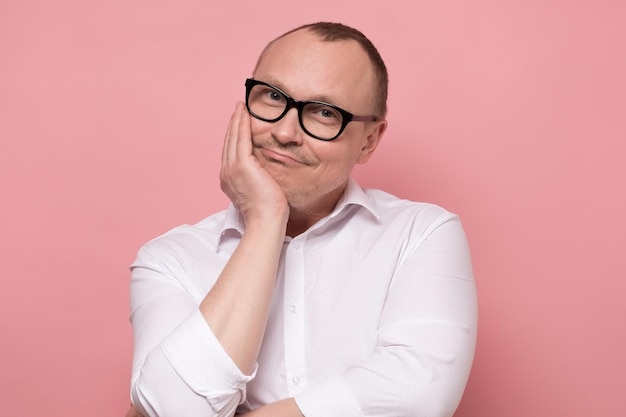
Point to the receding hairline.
(303, 29)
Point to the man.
(309, 295)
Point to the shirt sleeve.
(179, 367)
(425, 342)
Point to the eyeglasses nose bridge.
(294, 104)
(285, 126)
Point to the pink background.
(510, 113)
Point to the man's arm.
(172, 333)
(283, 408)
(424, 343)
(237, 306)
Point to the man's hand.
(247, 184)
(133, 412)
(282, 408)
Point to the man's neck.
(301, 220)
(302, 217)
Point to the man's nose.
(287, 130)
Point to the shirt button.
(295, 380)
(296, 245)
(293, 309)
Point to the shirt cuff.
(202, 363)
(330, 398)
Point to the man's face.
(313, 173)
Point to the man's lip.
(280, 157)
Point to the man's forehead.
(304, 35)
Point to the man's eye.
(327, 113)
(273, 95)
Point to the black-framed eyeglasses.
(320, 120)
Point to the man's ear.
(374, 135)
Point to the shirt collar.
(354, 195)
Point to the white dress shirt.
(373, 314)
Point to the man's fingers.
(229, 152)
(244, 136)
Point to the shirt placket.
(293, 313)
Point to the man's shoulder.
(183, 254)
(390, 207)
(405, 224)
(201, 234)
